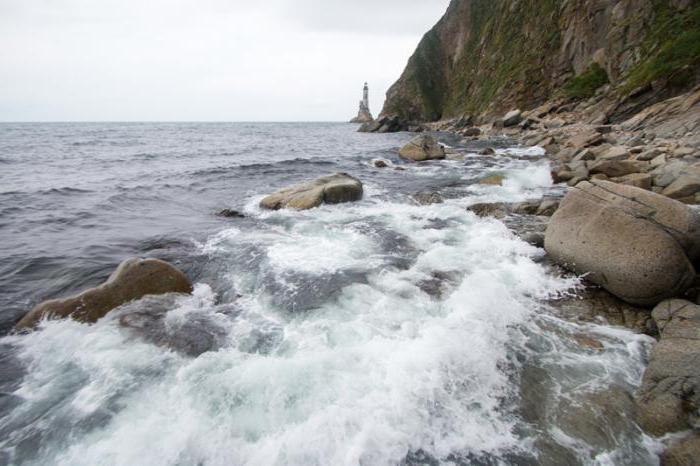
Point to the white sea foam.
(380, 370)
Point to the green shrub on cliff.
(672, 49)
(584, 85)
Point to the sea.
(379, 332)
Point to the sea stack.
(364, 115)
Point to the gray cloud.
(202, 59)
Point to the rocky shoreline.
(629, 224)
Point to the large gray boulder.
(638, 245)
(333, 189)
(423, 147)
(133, 279)
(670, 393)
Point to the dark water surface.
(378, 332)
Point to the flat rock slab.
(333, 189)
(133, 279)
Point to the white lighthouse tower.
(364, 115)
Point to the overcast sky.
(203, 60)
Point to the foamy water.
(374, 333)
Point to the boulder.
(379, 163)
(423, 147)
(616, 168)
(512, 118)
(132, 280)
(667, 173)
(332, 189)
(639, 180)
(670, 392)
(487, 151)
(638, 245)
(685, 452)
(684, 186)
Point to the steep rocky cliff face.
(487, 56)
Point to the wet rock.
(385, 124)
(132, 280)
(534, 238)
(230, 213)
(685, 452)
(636, 244)
(489, 209)
(670, 393)
(562, 175)
(587, 341)
(594, 304)
(598, 418)
(494, 180)
(427, 198)
(333, 189)
(488, 151)
(379, 163)
(524, 208)
(421, 148)
(192, 333)
(548, 207)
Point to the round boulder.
(636, 244)
(423, 147)
(133, 279)
(333, 189)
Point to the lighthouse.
(365, 97)
(364, 115)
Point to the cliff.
(485, 57)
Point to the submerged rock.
(421, 148)
(638, 245)
(333, 189)
(494, 180)
(427, 198)
(670, 393)
(230, 213)
(133, 279)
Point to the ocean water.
(380, 332)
